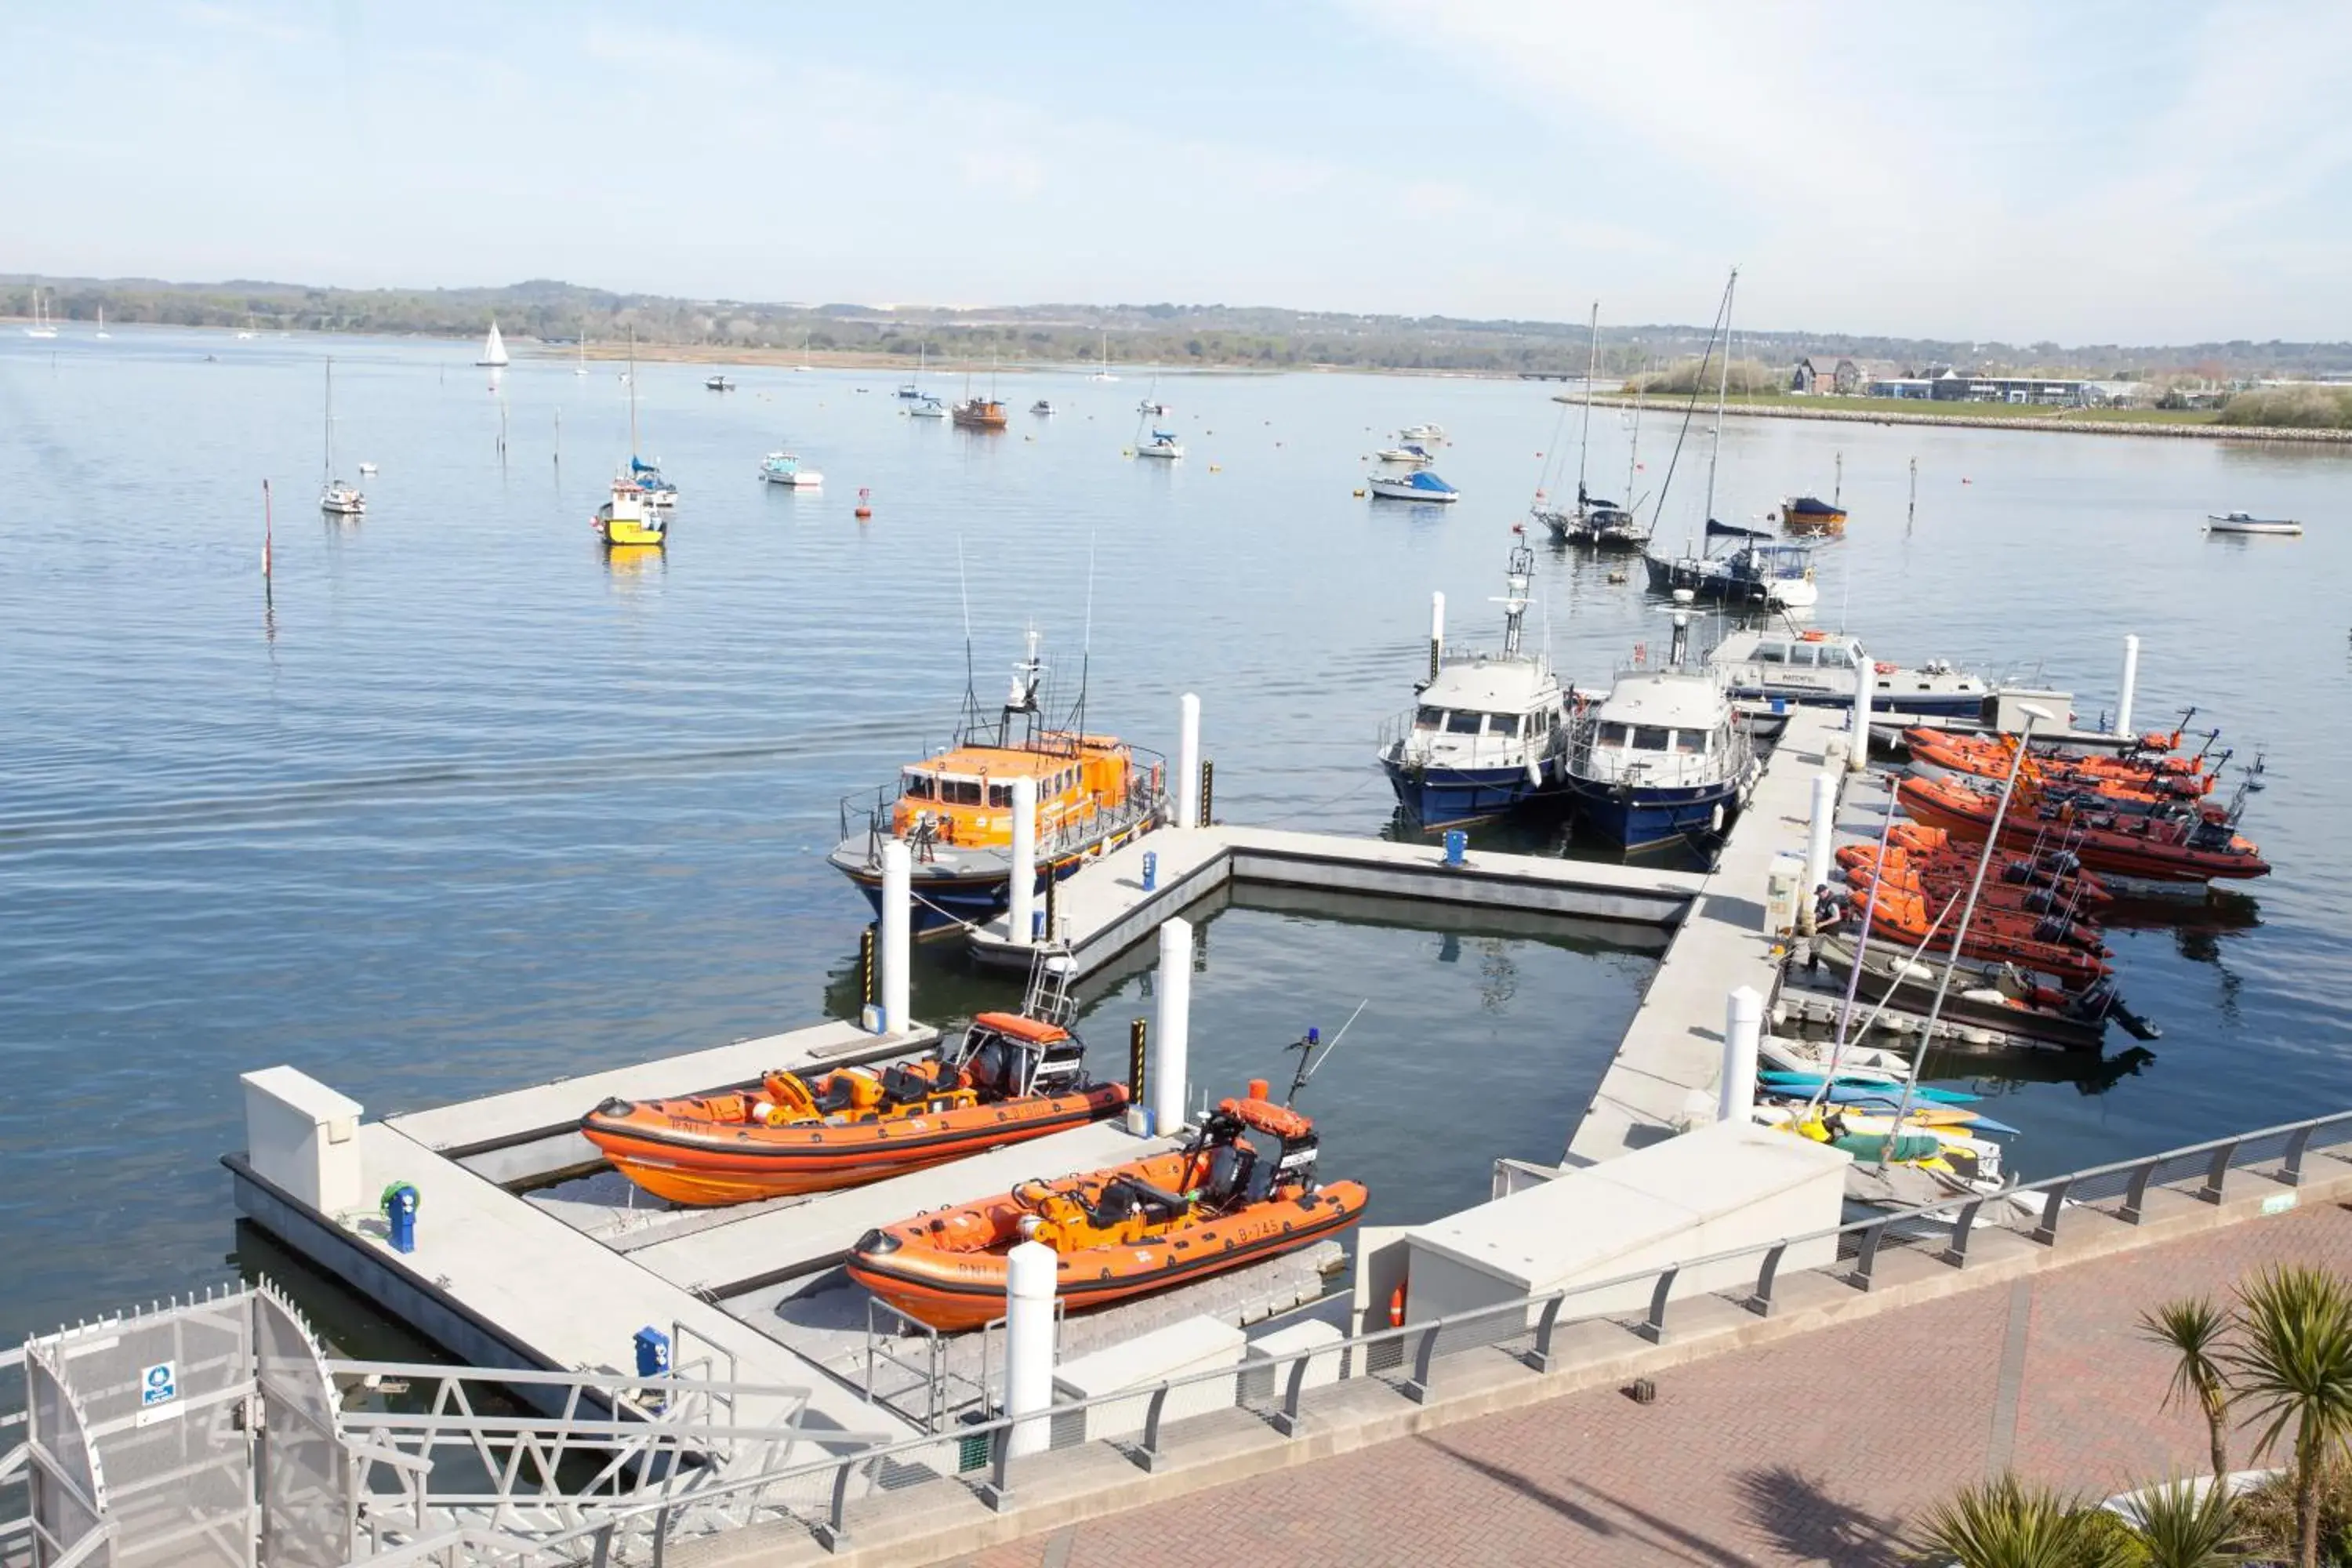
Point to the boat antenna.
(1309, 1063)
(971, 686)
(1585, 437)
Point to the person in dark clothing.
(1829, 912)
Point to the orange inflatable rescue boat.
(1012, 1078)
(1150, 1224)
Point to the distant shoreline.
(2207, 431)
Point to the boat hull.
(731, 1164)
(1792, 593)
(1384, 489)
(1641, 818)
(1448, 797)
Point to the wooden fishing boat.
(1219, 1202)
(954, 809)
(1810, 514)
(979, 414)
(2149, 850)
(1010, 1077)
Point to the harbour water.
(460, 804)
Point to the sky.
(2135, 173)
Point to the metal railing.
(1150, 1423)
(1072, 833)
(1466, 751)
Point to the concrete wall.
(1722, 1186)
(1187, 1346)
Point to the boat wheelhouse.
(1421, 485)
(628, 519)
(1488, 731)
(954, 809)
(1662, 757)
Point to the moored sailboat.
(494, 350)
(335, 496)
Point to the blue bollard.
(399, 1204)
(653, 1352)
(1457, 846)
(1150, 869)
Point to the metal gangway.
(216, 1432)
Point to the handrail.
(1427, 1335)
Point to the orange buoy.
(864, 511)
(1396, 1306)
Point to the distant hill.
(1263, 337)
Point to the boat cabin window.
(1611, 736)
(1691, 743)
(918, 786)
(1771, 653)
(1802, 655)
(1649, 737)
(1837, 655)
(1000, 794)
(1429, 718)
(959, 792)
(1462, 723)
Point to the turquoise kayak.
(1809, 1081)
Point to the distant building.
(1820, 373)
(1901, 386)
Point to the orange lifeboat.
(2159, 779)
(1218, 1204)
(2040, 883)
(2062, 949)
(2140, 846)
(1012, 1078)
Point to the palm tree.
(2005, 1523)
(2196, 1329)
(2292, 1365)
(2181, 1524)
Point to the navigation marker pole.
(268, 529)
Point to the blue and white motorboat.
(1824, 670)
(1488, 732)
(785, 469)
(1663, 757)
(1162, 443)
(1776, 576)
(1407, 455)
(1419, 485)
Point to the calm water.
(463, 806)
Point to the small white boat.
(1422, 432)
(366, 470)
(927, 407)
(1408, 454)
(1151, 410)
(1041, 406)
(247, 331)
(494, 350)
(43, 325)
(718, 384)
(1104, 374)
(2246, 522)
(785, 469)
(1419, 485)
(1162, 443)
(335, 497)
(102, 332)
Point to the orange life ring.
(1882, 668)
(1813, 637)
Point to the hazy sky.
(2136, 171)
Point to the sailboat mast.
(327, 462)
(1585, 437)
(1722, 386)
(633, 391)
(1634, 448)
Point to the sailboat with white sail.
(1104, 374)
(335, 497)
(494, 350)
(43, 325)
(582, 367)
(102, 332)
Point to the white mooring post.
(1817, 843)
(1020, 920)
(1030, 1270)
(1171, 1031)
(2130, 687)
(1865, 682)
(897, 908)
(1188, 762)
(1743, 1029)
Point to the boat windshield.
(1649, 737)
(1429, 718)
(1461, 723)
(918, 786)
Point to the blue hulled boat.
(1662, 757)
(1488, 732)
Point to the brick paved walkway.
(1812, 1451)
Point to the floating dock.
(1105, 908)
